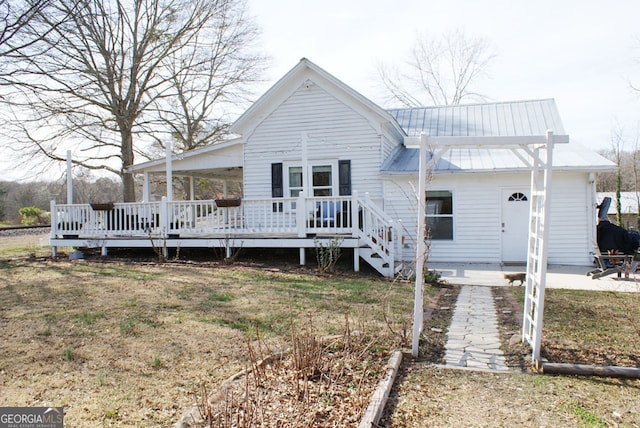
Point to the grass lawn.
(132, 344)
(583, 327)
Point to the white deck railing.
(260, 218)
(269, 216)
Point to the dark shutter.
(277, 186)
(276, 180)
(344, 177)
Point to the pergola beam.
(487, 142)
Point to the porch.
(303, 222)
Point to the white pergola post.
(421, 247)
(541, 173)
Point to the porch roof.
(566, 157)
(221, 160)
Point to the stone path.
(473, 340)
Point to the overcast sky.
(582, 53)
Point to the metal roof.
(565, 157)
(503, 119)
(517, 118)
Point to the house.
(317, 160)
(629, 202)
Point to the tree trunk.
(128, 183)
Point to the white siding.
(334, 132)
(477, 216)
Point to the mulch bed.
(437, 318)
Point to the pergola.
(537, 153)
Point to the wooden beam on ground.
(589, 370)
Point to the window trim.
(307, 176)
(452, 192)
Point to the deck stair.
(378, 238)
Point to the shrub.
(33, 215)
(328, 255)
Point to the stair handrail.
(378, 230)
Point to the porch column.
(192, 188)
(169, 166)
(146, 188)
(69, 179)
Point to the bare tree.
(617, 150)
(440, 71)
(209, 78)
(99, 81)
(14, 17)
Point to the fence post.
(355, 211)
(392, 249)
(54, 227)
(164, 217)
(301, 216)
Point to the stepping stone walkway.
(473, 340)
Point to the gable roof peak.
(307, 73)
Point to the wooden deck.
(255, 223)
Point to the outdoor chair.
(607, 264)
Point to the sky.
(584, 54)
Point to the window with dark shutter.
(277, 185)
(344, 177)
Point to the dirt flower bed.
(315, 383)
(438, 313)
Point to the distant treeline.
(39, 194)
(629, 164)
(15, 195)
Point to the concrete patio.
(558, 276)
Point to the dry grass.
(130, 344)
(432, 396)
(579, 327)
(591, 327)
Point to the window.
(440, 214)
(322, 181)
(518, 197)
(295, 181)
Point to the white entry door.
(515, 225)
